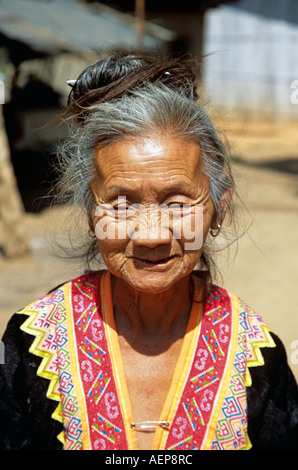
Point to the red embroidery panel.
(106, 427)
(196, 405)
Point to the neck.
(142, 315)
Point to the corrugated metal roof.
(52, 26)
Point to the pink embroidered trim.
(105, 422)
(199, 397)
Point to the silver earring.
(91, 233)
(214, 233)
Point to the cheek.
(112, 252)
(192, 229)
(111, 248)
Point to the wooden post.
(13, 239)
(140, 9)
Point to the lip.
(158, 263)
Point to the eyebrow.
(115, 190)
(118, 190)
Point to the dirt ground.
(264, 268)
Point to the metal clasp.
(149, 425)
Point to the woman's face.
(153, 210)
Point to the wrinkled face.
(153, 210)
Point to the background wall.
(252, 56)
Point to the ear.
(225, 201)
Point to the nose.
(151, 230)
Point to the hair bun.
(103, 73)
(118, 74)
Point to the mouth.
(155, 262)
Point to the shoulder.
(29, 375)
(44, 312)
(256, 333)
(250, 320)
(272, 393)
(87, 282)
(87, 278)
(272, 399)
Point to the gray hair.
(141, 112)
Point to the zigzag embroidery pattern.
(231, 430)
(42, 324)
(258, 337)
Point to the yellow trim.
(75, 369)
(248, 443)
(182, 368)
(180, 373)
(226, 376)
(116, 359)
(256, 345)
(46, 356)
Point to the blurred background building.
(253, 60)
(249, 75)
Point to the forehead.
(152, 160)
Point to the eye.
(179, 206)
(121, 207)
(124, 210)
(176, 205)
(179, 209)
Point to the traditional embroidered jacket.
(63, 384)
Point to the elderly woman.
(148, 353)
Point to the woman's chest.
(148, 381)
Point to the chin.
(152, 282)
